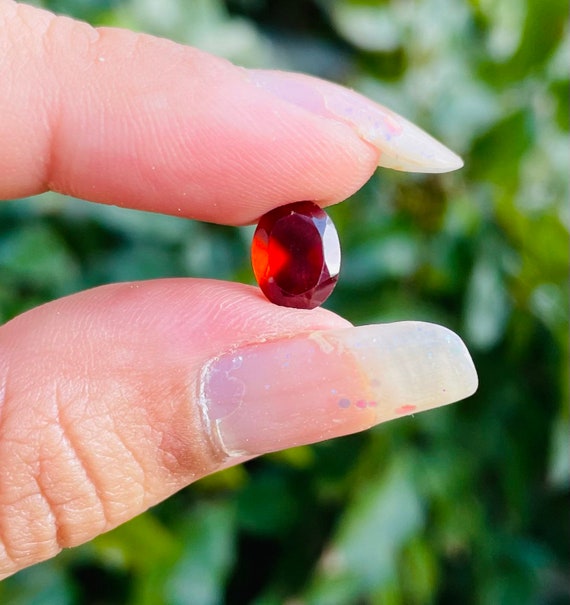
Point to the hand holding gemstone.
(117, 397)
(297, 265)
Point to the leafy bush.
(467, 504)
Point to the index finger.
(117, 117)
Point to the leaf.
(141, 544)
(198, 576)
(487, 304)
(36, 255)
(43, 584)
(370, 27)
(496, 153)
(559, 467)
(364, 552)
(266, 506)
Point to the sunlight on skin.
(111, 397)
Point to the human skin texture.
(115, 398)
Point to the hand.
(115, 398)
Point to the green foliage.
(467, 504)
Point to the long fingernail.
(274, 395)
(402, 145)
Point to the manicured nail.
(274, 395)
(402, 145)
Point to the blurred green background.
(464, 505)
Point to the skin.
(96, 389)
(53, 138)
(107, 114)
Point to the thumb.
(115, 398)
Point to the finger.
(115, 398)
(117, 117)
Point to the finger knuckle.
(48, 499)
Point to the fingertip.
(129, 119)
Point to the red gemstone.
(296, 255)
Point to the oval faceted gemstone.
(296, 255)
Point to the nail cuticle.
(211, 374)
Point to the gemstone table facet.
(296, 255)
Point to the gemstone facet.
(296, 255)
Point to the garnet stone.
(296, 255)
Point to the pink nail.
(273, 395)
(402, 145)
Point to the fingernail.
(274, 395)
(402, 145)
